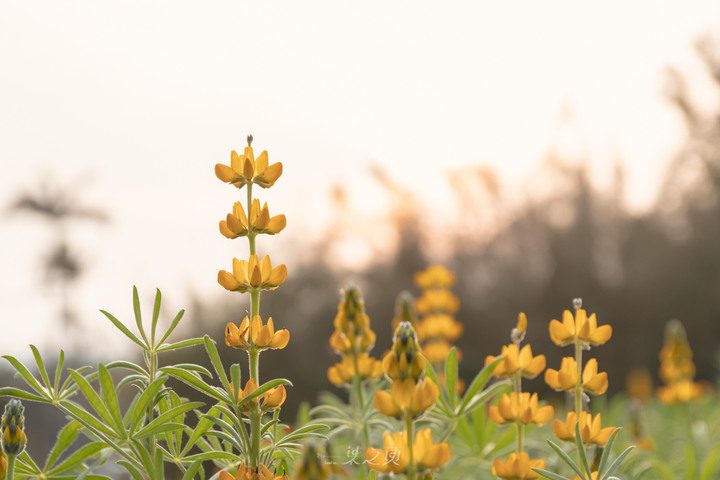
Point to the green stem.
(10, 467)
(251, 231)
(254, 356)
(520, 435)
(578, 384)
(410, 426)
(255, 426)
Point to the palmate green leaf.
(306, 431)
(138, 316)
(606, 451)
(84, 417)
(581, 450)
(41, 368)
(181, 344)
(67, 435)
(77, 458)
(172, 326)
(129, 365)
(550, 475)
(21, 394)
(617, 463)
(132, 470)
(198, 384)
(481, 398)
(202, 426)
(26, 465)
(216, 362)
(451, 376)
(477, 383)
(141, 406)
(110, 400)
(155, 316)
(30, 380)
(95, 401)
(566, 458)
(119, 325)
(710, 465)
(192, 470)
(212, 455)
(58, 373)
(443, 399)
(164, 419)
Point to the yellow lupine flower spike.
(252, 274)
(435, 276)
(245, 169)
(343, 372)
(404, 359)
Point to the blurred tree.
(58, 207)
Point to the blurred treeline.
(636, 271)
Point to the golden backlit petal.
(255, 328)
(256, 276)
(561, 430)
(339, 342)
(248, 168)
(227, 280)
(225, 173)
(424, 396)
(278, 275)
(239, 269)
(232, 335)
(276, 224)
(559, 333)
(603, 436)
(568, 322)
(551, 378)
(275, 397)
(239, 213)
(536, 365)
(263, 217)
(590, 370)
(598, 384)
(254, 212)
(402, 392)
(334, 375)
(601, 335)
(384, 404)
(266, 267)
(235, 225)
(261, 163)
(235, 161)
(436, 456)
(280, 339)
(375, 459)
(494, 415)
(582, 326)
(272, 173)
(521, 323)
(544, 415)
(226, 232)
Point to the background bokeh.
(541, 150)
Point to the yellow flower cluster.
(437, 327)
(411, 394)
(580, 331)
(247, 473)
(353, 339)
(677, 368)
(395, 455)
(518, 407)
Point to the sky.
(131, 104)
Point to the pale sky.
(136, 101)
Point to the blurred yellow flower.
(439, 326)
(436, 351)
(407, 396)
(237, 225)
(252, 274)
(435, 276)
(680, 391)
(580, 327)
(395, 455)
(247, 473)
(517, 467)
(521, 323)
(517, 360)
(520, 407)
(591, 430)
(343, 372)
(567, 376)
(437, 301)
(255, 334)
(245, 169)
(352, 325)
(639, 385)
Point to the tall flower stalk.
(252, 276)
(518, 408)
